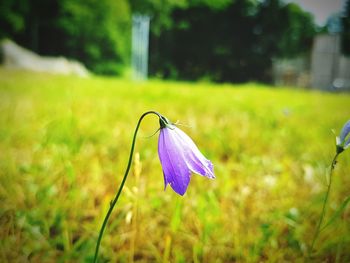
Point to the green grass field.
(64, 145)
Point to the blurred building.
(330, 70)
(292, 72)
(326, 69)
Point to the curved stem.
(122, 183)
(334, 162)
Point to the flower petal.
(176, 172)
(195, 160)
(344, 132)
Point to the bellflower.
(180, 157)
(343, 141)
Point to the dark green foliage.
(97, 32)
(206, 42)
(236, 43)
(94, 32)
(224, 40)
(12, 16)
(346, 30)
(283, 30)
(161, 11)
(158, 10)
(298, 35)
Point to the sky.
(321, 9)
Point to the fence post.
(139, 48)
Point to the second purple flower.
(343, 141)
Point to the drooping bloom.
(180, 157)
(343, 141)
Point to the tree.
(203, 42)
(298, 36)
(282, 31)
(222, 40)
(12, 17)
(233, 42)
(95, 32)
(346, 29)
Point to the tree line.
(219, 40)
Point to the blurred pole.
(139, 48)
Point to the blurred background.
(299, 43)
(259, 85)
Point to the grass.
(64, 144)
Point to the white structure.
(139, 49)
(329, 68)
(17, 57)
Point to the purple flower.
(180, 157)
(343, 141)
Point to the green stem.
(122, 183)
(334, 162)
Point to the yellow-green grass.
(64, 145)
